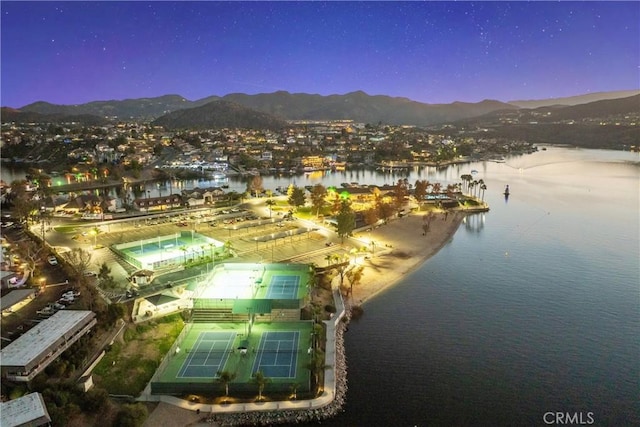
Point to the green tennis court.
(283, 287)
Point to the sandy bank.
(400, 248)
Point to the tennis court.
(163, 251)
(277, 355)
(283, 287)
(208, 355)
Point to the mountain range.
(272, 109)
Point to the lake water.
(532, 308)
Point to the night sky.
(434, 52)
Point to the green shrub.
(131, 416)
(329, 308)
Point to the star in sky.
(434, 52)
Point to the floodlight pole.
(42, 220)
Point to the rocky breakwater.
(265, 418)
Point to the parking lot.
(253, 238)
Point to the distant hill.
(141, 108)
(357, 106)
(8, 115)
(599, 124)
(361, 107)
(592, 110)
(575, 100)
(219, 114)
(597, 109)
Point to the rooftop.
(42, 336)
(15, 297)
(26, 410)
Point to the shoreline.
(401, 249)
(409, 249)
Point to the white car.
(52, 260)
(71, 294)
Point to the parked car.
(52, 260)
(46, 311)
(90, 273)
(71, 294)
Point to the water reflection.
(474, 223)
(542, 168)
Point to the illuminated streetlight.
(94, 233)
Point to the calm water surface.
(533, 307)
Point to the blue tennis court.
(208, 355)
(277, 355)
(283, 287)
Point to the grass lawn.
(131, 361)
(66, 228)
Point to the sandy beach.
(400, 248)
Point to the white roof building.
(30, 354)
(16, 299)
(28, 410)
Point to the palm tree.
(317, 366)
(355, 276)
(436, 188)
(224, 378)
(328, 258)
(470, 186)
(212, 247)
(338, 259)
(270, 203)
(184, 252)
(294, 390)
(466, 179)
(231, 195)
(261, 380)
(228, 247)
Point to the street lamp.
(94, 233)
(42, 225)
